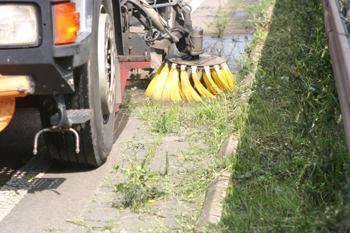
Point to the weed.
(222, 20)
(149, 107)
(77, 221)
(135, 192)
(256, 15)
(81, 223)
(110, 228)
(151, 151)
(54, 229)
(166, 121)
(163, 120)
(215, 119)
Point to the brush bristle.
(174, 83)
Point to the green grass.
(293, 141)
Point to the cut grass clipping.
(291, 168)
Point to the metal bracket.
(77, 143)
(63, 121)
(135, 45)
(62, 113)
(134, 58)
(202, 61)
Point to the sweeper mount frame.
(158, 34)
(202, 61)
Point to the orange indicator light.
(67, 22)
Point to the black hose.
(154, 38)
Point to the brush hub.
(203, 60)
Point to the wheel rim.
(106, 64)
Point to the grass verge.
(292, 163)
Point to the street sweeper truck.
(70, 59)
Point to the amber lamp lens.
(67, 22)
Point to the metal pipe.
(164, 5)
(157, 20)
(35, 150)
(166, 41)
(340, 54)
(51, 130)
(77, 143)
(341, 43)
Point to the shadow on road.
(16, 147)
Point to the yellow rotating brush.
(156, 86)
(210, 75)
(219, 78)
(227, 74)
(171, 90)
(188, 92)
(200, 88)
(209, 82)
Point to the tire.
(95, 84)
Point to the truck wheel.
(95, 84)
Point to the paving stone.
(79, 230)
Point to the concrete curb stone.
(213, 203)
(229, 146)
